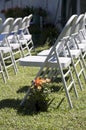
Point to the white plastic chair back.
(26, 23)
(6, 26)
(23, 25)
(16, 25)
(79, 23)
(29, 20)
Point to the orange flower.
(39, 81)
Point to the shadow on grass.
(53, 87)
(15, 104)
(9, 103)
(23, 89)
(29, 107)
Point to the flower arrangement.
(40, 94)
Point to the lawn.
(14, 117)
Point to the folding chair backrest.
(16, 25)
(5, 28)
(29, 20)
(23, 24)
(26, 22)
(66, 30)
(82, 22)
(70, 25)
(79, 23)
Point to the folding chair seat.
(5, 48)
(44, 52)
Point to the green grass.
(14, 117)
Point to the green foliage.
(13, 12)
(40, 98)
(21, 12)
(46, 35)
(18, 12)
(40, 12)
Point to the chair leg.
(3, 63)
(75, 90)
(13, 62)
(67, 88)
(77, 73)
(83, 72)
(3, 76)
(76, 62)
(83, 59)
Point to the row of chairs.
(68, 50)
(15, 42)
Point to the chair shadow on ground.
(15, 104)
(23, 89)
(29, 107)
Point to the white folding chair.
(6, 51)
(13, 39)
(55, 59)
(76, 37)
(75, 55)
(25, 37)
(25, 27)
(74, 52)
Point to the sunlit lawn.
(12, 117)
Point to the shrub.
(39, 95)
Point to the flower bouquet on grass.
(40, 94)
